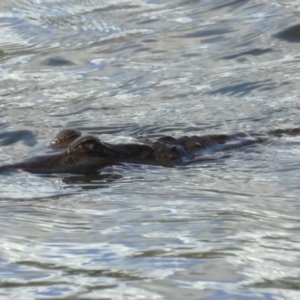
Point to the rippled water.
(224, 229)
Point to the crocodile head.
(87, 154)
(84, 154)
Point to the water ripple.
(124, 70)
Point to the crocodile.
(84, 154)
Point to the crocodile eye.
(86, 144)
(90, 146)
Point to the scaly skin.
(88, 154)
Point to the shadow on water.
(207, 33)
(252, 52)
(290, 34)
(245, 88)
(231, 4)
(91, 181)
(279, 283)
(11, 137)
(57, 62)
(122, 275)
(24, 186)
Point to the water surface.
(221, 229)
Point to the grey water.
(120, 69)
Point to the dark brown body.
(88, 154)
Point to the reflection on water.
(224, 228)
(91, 181)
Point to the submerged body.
(88, 154)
